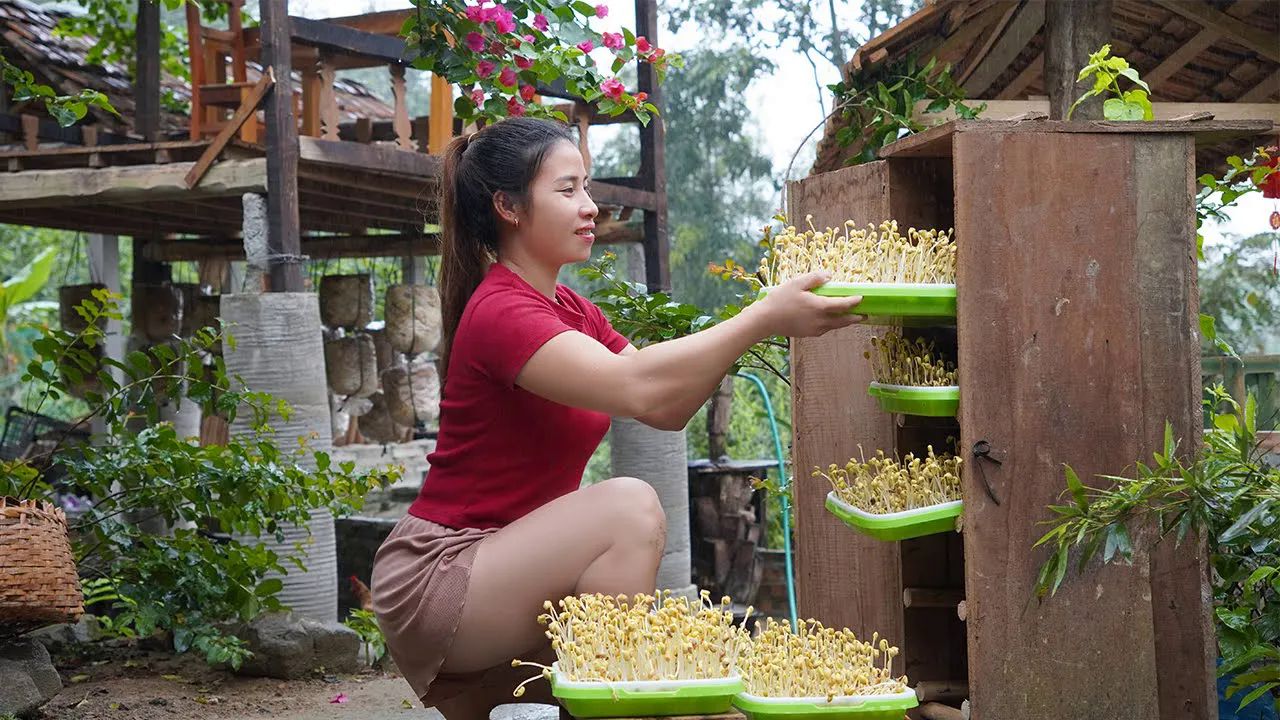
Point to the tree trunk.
(1073, 31)
(659, 457)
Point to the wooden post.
(653, 165)
(440, 126)
(146, 93)
(285, 260)
(1073, 30)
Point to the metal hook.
(982, 450)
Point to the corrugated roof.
(28, 30)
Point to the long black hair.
(502, 157)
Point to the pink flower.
(527, 92)
(614, 41)
(586, 46)
(477, 13)
(523, 63)
(507, 77)
(339, 699)
(540, 22)
(515, 108)
(503, 20)
(602, 11)
(612, 88)
(485, 68)
(529, 39)
(641, 97)
(477, 97)
(656, 54)
(642, 44)
(475, 41)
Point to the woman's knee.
(638, 509)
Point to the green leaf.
(1120, 110)
(1257, 693)
(1077, 488)
(27, 281)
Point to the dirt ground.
(113, 683)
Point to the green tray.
(941, 401)
(645, 698)
(870, 707)
(929, 520)
(893, 303)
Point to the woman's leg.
(605, 538)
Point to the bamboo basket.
(38, 580)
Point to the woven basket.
(38, 580)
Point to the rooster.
(361, 591)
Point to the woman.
(533, 373)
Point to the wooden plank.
(51, 188)
(440, 124)
(1001, 109)
(937, 140)
(387, 22)
(285, 269)
(609, 194)
(975, 60)
(376, 158)
(932, 597)
(246, 110)
(653, 163)
(1170, 391)
(843, 578)
(1256, 39)
(1073, 30)
(1054, 348)
(1025, 26)
(1267, 89)
(907, 28)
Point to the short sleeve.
(505, 329)
(602, 329)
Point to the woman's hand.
(792, 311)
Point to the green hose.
(783, 493)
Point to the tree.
(826, 33)
(1240, 289)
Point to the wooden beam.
(1237, 31)
(285, 265)
(133, 183)
(1268, 88)
(1030, 18)
(377, 158)
(1188, 51)
(246, 110)
(653, 164)
(346, 40)
(337, 246)
(1001, 109)
(607, 194)
(981, 53)
(387, 22)
(1073, 30)
(1029, 73)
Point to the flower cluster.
(501, 54)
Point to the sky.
(786, 103)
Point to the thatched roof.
(28, 40)
(1189, 51)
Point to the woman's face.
(557, 223)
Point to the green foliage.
(650, 318)
(880, 106)
(540, 41)
(365, 623)
(1224, 493)
(67, 110)
(195, 577)
(1106, 71)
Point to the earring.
(517, 222)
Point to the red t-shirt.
(502, 451)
